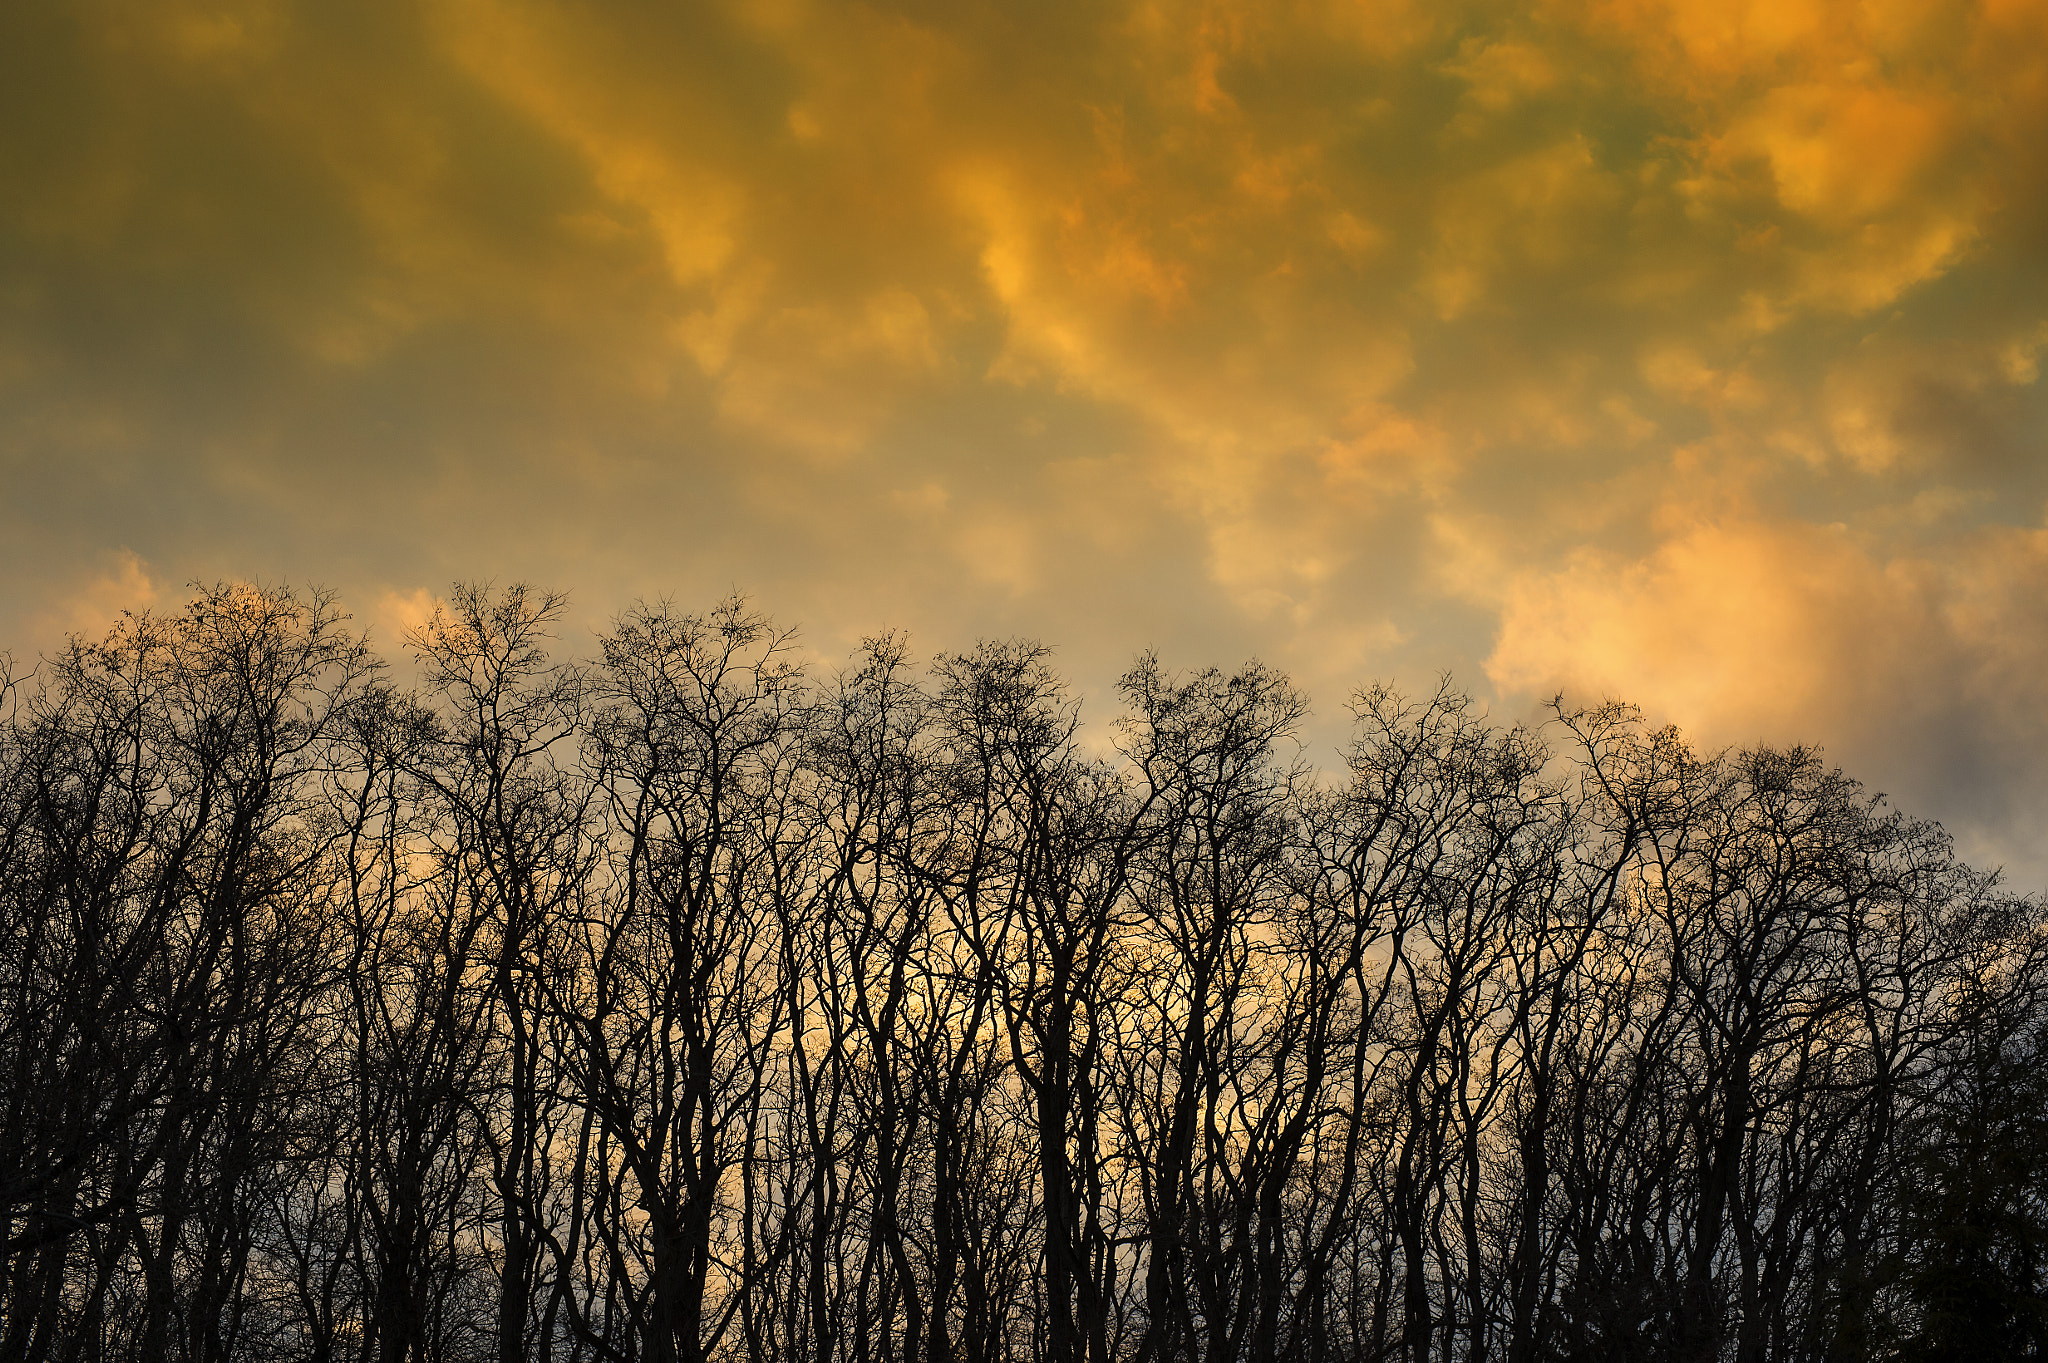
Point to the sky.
(1685, 352)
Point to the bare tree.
(674, 1006)
(515, 848)
(673, 992)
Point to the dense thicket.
(682, 1005)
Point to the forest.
(686, 1002)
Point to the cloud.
(397, 614)
(89, 605)
(1380, 337)
(1919, 667)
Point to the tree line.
(686, 1004)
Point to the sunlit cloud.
(1686, 351)
(119, 584)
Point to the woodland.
(685, 1002)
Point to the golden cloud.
(1620, 342)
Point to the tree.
(680, 1006)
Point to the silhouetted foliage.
(680, 1004)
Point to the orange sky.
(1683, 352)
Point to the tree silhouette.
(680, 1004)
